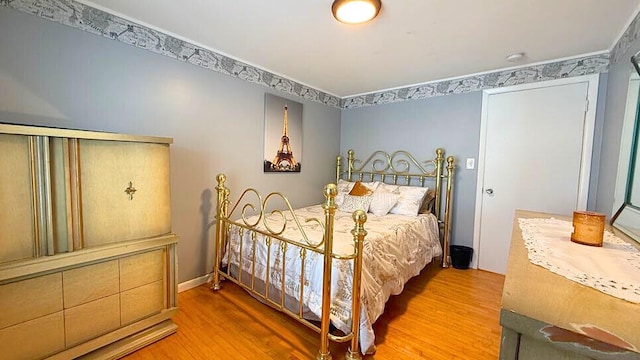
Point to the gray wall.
(617, 85)
(54, 75)
(420, 126)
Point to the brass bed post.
(350, 159)
(447, 212)
(338, 168)
(358, 232)
(439, 162)
(330, 192)
(221, 211)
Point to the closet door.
(535, 155)
(124, 190)
(17, 215)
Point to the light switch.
(471, 163)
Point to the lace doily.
(613, 268)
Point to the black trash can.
(460, 256)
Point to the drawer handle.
(130, 190)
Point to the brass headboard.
(402, 168)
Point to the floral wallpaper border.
(561, 69)
(83, 17)
(630, 35)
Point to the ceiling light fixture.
(355, 11)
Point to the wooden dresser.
(547, 316)
(87, 256)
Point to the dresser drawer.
(33, 339)
(142, 301)
(125, 191)
(92, 282)
(141, 269)
(25, 300)
(87, 321)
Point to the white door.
(535, 154)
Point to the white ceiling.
(410, 42)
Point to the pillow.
(428, 203)
(382, 202)
(352, 203)
(343, 189)
(359, 189)
(410, 198)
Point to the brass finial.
(221, 178)
(360, 217)
(451, 160)
(330, 191)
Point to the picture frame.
(282, 135)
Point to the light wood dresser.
(547, 316)
(87, 256)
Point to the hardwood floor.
(441, 314)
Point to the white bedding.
(396, 248)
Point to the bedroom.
(126, 90)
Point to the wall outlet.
(471, 163)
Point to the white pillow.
(410, 198)
(382, 202)
(343, 189)
(352, 203)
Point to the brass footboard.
(258, 225)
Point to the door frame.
(587, 143)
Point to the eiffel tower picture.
(284, 160)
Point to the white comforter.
(396, 248)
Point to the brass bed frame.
(382, 166)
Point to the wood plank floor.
(442, 314)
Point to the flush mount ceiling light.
(355, 11)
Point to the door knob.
(489, 191)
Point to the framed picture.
(282, 135)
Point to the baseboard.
(190, 284)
